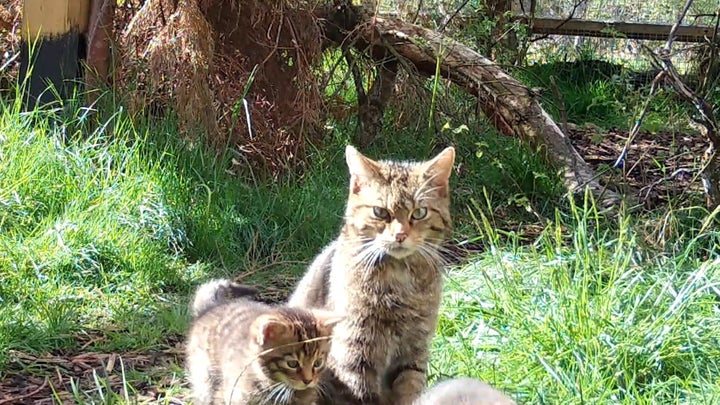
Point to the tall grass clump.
(586, 314)
(107, 223)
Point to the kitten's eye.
(292, 363)
(318, 363)
(419, 213)
(381, 213)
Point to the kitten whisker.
(243, 376)
(372, 259)
(322, 388)
(358, 240)
(268, 393)
(288, 395)
(453, 254)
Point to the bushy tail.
(217, 292)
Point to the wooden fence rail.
(603, 29)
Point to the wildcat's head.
(294, 344)
(398, 208)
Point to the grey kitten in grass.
(464, 391)
(384, 272)
(244, 352)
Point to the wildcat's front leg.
(407, 377)
(407, 387)
(355, 364)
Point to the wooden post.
(98, 72)
(52, 46)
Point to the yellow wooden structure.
(53, 45)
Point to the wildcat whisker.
(384, 276)
(231, 340)
(421, 191)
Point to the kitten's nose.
(306, 381)
(400, 237)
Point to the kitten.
(464, 391)
(384, 271)
(245, 352)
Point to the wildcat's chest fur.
(384, 273)
(393, 290)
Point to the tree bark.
(511, 106)
(371, 110)
(99, 39)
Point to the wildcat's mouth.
(399, 251)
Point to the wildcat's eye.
(318, 363)
(381, 213)
(419, 213)
(292, 363)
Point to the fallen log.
(511, 106)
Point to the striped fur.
(384, 271)
(241, 351)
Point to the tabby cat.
(464, 391)
(384, 272)
(245, 352)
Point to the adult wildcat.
(248, 353)
(384, 272)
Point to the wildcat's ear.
(328, 319)
(269, 329)
(361, 168)
(439, 169)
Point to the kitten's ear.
(360, 167)
(269, 328)
(328, 319)
(440, 168)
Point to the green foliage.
(602, 93)
(107, 224)
(591, 315)
(109, 229)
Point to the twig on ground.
(19, 398)
(620, 161)
(706, 122)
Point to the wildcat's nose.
(400, 237)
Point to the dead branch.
(570, 16)
(706, 122)
(620, 161)
(511, 106)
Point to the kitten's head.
(399, 208)
(294, 344)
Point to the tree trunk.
(511, 106)
(371, 109)
(99, 40)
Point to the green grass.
(109, 230)
(602, 93)
(593, 316)
(107, 224)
